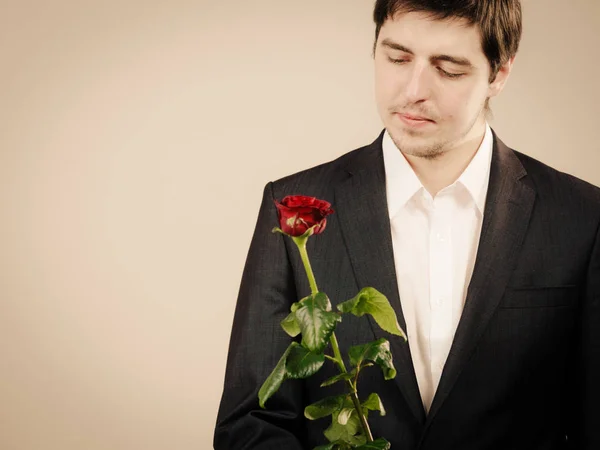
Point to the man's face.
(435, 71)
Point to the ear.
(497, 85)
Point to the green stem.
(337, 353)
(301, 244)
(353, 392)
(361, 416)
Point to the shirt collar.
(402, 183)
(477, 174)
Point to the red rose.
(298, 213)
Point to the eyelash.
(442, 71)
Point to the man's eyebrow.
(459, 61)
(395, 46)
(452, 59)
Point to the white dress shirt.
(435, 241)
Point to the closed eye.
(442, 71)
(449, 74)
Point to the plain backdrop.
(135, 140)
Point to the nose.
(417, 87)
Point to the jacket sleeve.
(585, 416)
(257, 342)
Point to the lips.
(413, 117)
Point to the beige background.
(135, 140)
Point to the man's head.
(441, 60)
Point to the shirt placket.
(440, 283)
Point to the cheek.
(384, 84)
(387, 80)
(461, 101)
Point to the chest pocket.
(540, 297)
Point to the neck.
(436, 174)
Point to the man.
(490, 258)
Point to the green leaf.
(330, 446)
(373, 403)
(340, 377)
(302, 363)
(324, 407)
(349, 432)
(290, 325)
(337, 445)
(377, 444)
(320, 300)
(344, 415)
(316, 323)
(378, 352)
(278, 376)
(370, 301)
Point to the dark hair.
(498, 20)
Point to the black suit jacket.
(523, 371)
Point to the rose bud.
(299, 213)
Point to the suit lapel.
(361, 205)
(507, 212)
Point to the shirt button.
(439, 301)
(441, 237)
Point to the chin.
(426, 147)
(411, 139)
(426, 153)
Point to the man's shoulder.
(551, 183)
(319, 178)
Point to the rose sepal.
(304, 236)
